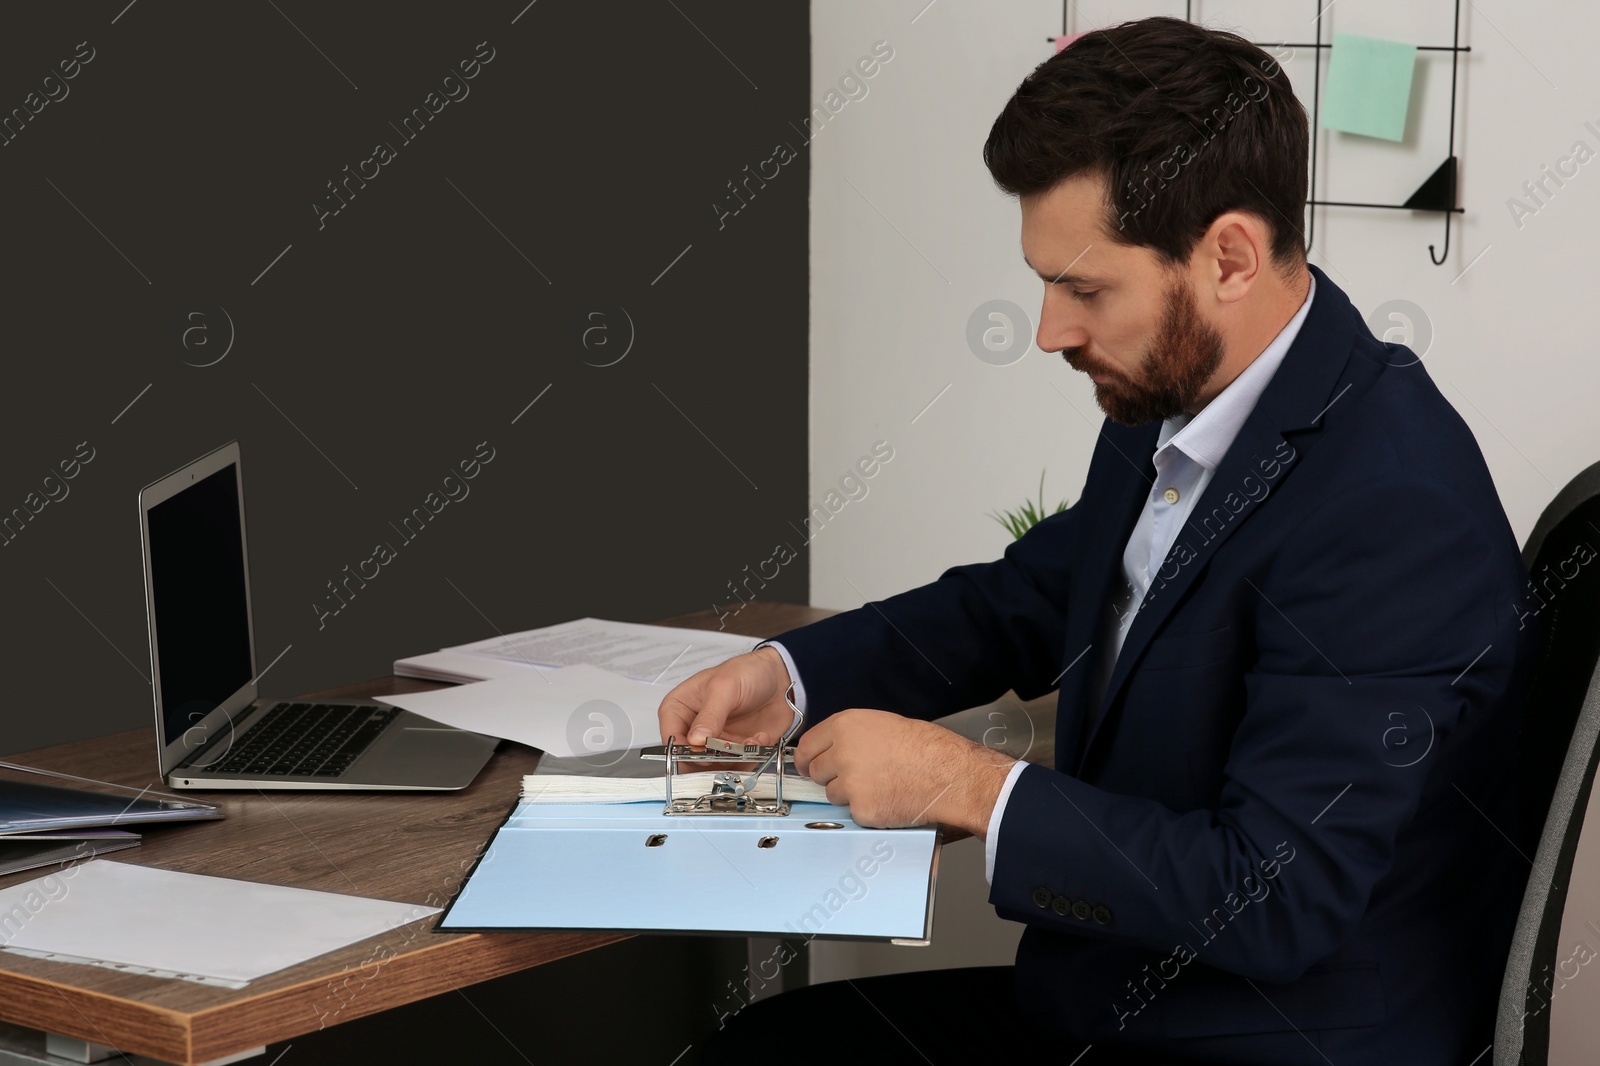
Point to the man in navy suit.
(1279, 618)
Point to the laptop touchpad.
(428, 755)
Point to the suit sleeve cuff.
(794, 673)
(992, 836)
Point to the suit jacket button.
(1041, 897)
(1102, 914)
(1062, 905)
(1081, 910)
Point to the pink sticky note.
(1063, 41)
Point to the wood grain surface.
(413, 847)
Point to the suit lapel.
(1306, 384)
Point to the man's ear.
(1233, 253)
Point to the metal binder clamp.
(732, 790)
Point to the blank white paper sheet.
(193, 927)
(566, 711)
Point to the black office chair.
(1558, 751)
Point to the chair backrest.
(1563, 598)
(1522, 1027)
(1557, 753)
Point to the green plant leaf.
(1028, 515)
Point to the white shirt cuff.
(794, 674)
(992, 837)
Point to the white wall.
(909, 236)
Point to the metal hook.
(1438, 260)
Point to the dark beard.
(1184, 355)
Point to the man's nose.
(1061, 324)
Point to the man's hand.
(740, 700)
(893, 771)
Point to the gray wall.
(583, 171)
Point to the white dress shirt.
(1189, 449)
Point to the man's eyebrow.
(1062, 276)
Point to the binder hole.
(655, 840)
(767, 842)
(824, 825)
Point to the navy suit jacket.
(1281, 833)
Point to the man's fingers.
(838, 795)
(815, 741)
(676, 711)
(701, 706)
(708, 723)
(723, 697)
(673, 718)
(691, 702)
(721, 701)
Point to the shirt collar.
(1205, 437)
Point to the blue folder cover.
(626, 867)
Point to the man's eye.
(1084, 294)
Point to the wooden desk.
(411, 847)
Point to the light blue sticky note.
(1369, 86)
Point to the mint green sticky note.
(1369, 86)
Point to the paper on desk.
(212, 930)
(663, 655)
(458, 668)
(568, 711)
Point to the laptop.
(213, 731)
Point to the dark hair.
(1183, 122)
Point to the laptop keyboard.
(306, 740)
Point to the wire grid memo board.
(1436, 195)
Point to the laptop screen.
(202, 617)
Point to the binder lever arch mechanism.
(732, 791)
